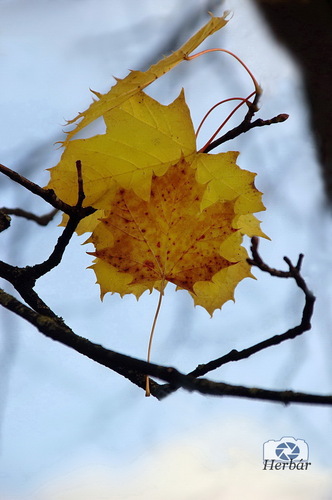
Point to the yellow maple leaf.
(145, 146)
(141, 245)
(142, 138)
(165, 212)
(167, 238)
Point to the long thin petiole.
(214, 107)
(161, 294)
(245, 100)
(257, 87)
(257, 92)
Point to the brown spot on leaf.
(149, 263)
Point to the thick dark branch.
(135, 370)
(208, 387)
(54, 328)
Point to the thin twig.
(245, 126)
(24, 279)
(80, 187)
(42, 220)
(46, 194)
(305, 324)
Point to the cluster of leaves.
(165, 212)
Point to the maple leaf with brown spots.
(141, 245)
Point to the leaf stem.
(243, 101)
(161, 294)
(214, 107)
(256, 85)
(252, 105)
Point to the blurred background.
(71, 429)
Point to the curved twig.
(42, 220)
(305, 324)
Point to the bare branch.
(136, 370)
(42, 220)
(244, 127)
(247, 124)
(47, 194)
(80, 187)
(75, 217)
(46, 321)
(305, 324)
(24, 279)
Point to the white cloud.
(192, 468)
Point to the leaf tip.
(97, 94)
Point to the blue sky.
(72, 429)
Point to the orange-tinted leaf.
(141, 245)
(165, 213)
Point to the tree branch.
(42, 220)
(46, 194)
(136, 370)
(245, 126)
(24, 279)
(305, 324)
(4, 221)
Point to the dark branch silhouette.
(46, 194)
(244, 127)
(42, 220)
(135, 370)
(246, 124)
(48, 323)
